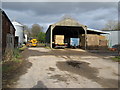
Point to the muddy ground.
(67, 68)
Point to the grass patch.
(11, 66)
(47, 47)
(41, 45)
(9, 71)
(23, 48)
(16, 54)
(116, 58)
(16, 58)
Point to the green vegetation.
(9, 63)
(16, 53)
(36, 31)
(41, 37)
(12, 63)
(117, 58)
(15, 58)
(23, 48)
(47, 47)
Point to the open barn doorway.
(71, 35)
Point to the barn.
(71, 28)
(7, 32)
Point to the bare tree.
(35, 30)
(111, 25)
(27, 30)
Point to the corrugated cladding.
(119, 37)
(114, 37)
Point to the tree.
(111, 25)
(27, 30)
(35, 30)
(41, 37)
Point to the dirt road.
(67, 68)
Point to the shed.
(70, 28)
(7, 32)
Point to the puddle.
(78, 67)
(83, 69)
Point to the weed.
(16, 53)
(47, 47)
(117, 58)
(22, 48)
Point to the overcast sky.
(92, 14)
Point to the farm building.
(7, 32)
(19, 34)
(113, 37)
(70, 28)
(25, 38)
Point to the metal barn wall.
(48, 35)
(114, 38)
(119, 37)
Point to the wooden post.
(51, 35)
(85, 37)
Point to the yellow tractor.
(32, 42)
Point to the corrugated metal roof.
(16, 23)
(68, 22)
(98, 31)
(73, 22)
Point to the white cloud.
(95, 15)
